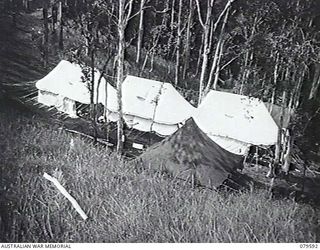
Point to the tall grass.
(123, 205)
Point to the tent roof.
(190, 151)
(66, 80)
(276, 112)
(238, 117)
(153, 100)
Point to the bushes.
(122, 205)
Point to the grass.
(122, 205)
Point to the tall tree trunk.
(297, 93)
(272, 102)
(120, 76)
(277, 157)
(204, 66)
(208, 29)
(106, 112)
(144, 62)
(46, 33)
(206, 41)
(199, 56)
(217, 71)
(276, 70)
(287, 155)
(172, 14)
(248, 70)
(152, 50)
(140, 32)
(187, 43)
(178, 49)
(152, 61)
(315, 82)
(92, 94)
(217, 57)
(122, 24)
(280, 140)
(60, 23)
(171, 35)
(54, 12)
(243, 76)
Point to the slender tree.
(215, 68)
(178, 44)
(125, 9)
(315, 81)
(60, 23)
(206, 26)
(186, 63)
(140, 31)
(46, 33)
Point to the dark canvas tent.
(190, 153)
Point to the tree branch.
(129, 7)
(222, 14)
(199, 13)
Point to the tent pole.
(257, 156)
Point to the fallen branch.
(67, 195)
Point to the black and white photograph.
(159, 121)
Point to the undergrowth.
(123, 205)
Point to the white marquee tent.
(232, 121)
(63, 86)
(155, 106)
(149, 106)
(236, 121)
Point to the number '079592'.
(309, 246)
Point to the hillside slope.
(123, 205)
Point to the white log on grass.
(67, 195)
